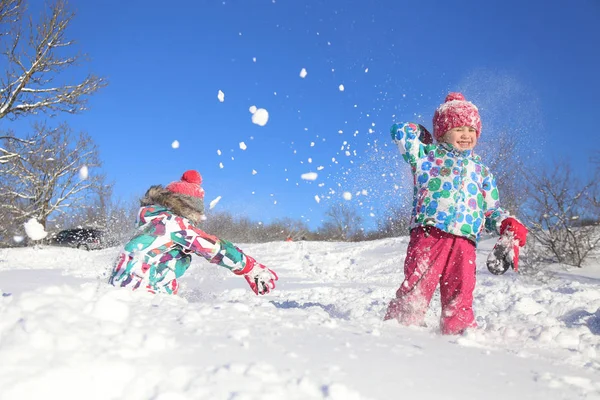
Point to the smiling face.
(462, 137)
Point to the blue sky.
(530, 66)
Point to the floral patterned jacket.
(453, 190)
(162, 248)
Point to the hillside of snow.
(66, 334)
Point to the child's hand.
(425, 136)
(518, 229)
(261, 279)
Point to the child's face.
(463, 137)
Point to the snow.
(309, 176)
(243, 146)
(303, 73)
(341, 88)
(83, 172)
(221, 96)
(214, 202)
(260, 116)
(175, 144)
(347, 196)
(65, 333)
(34, 230)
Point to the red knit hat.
(188, 185)
(455, 112)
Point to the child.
(455, 198)
(168, 235)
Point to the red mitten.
(505, 254)
(260, 278)
(517, 228)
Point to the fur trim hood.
(180, 204)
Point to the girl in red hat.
(455, 199)
(168, 235)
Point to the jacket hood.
(179, 204)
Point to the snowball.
(309, 176)
(111, 307)
(214, 202)
(221, 96)
(18, 238)
(35, 230)
(83, 172)
(175, 144)
(252, 109)
(341, 87)
(303, 73)
(260, 117)
(347, 196)
(243, 146)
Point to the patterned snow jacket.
(167, 236)
(453, 190)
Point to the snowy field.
(65, 334)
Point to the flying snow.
(243, 146)
(317, 198)
(214, 202)
(34, 229)
(347, 196)
(83, 172)
(303, 73)
(175, 144)
(309, 176)
(341, 87)
(260, 116)
(221, 96)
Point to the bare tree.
(502, 158)
(35, 53)
(562, 213)
(50, 173)
(341, 223)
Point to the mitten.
(518, 229)
(425, 137)
(505, 254)
(260, 278)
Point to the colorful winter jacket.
(161, 251)
(453, 190)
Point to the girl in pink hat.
(455, 199)
(168, 235)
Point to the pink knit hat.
(455, 112)
(188, 185)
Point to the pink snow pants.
(433, 257)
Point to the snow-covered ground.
(65, 334)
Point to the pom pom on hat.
(455, 112)
(189, 184)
